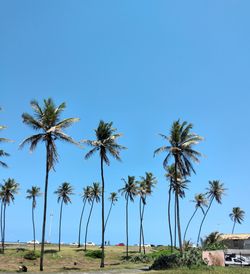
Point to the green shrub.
(215, 246)
(96, 254)
(31, 255)
(141, 258)
(190, 258)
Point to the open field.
(73, 259)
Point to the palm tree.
(95, 193)
(181, 150)
(63, 192)
(214, 192)
(237, 216)
(113, 198)
(46, 120)
(212, 238)
(200, 201)
(145, 189)
(105, 143)
(129, 191)
(8, 191)
(86, 196)
(32, 194)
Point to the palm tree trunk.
(178, 211)
(45, 206)
(169, 218)
(4, 219)
(175, 221)
(1, 219)
(127, 228)
(60, 225)
(108, 216)
(33, 224)
(233, 226)
(203, 219)
(140, 225)
(142, 231)
(80, 224)
(189, 224)
(87, 225)
(103, 220)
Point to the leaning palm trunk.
(108, 216)
(142, 231)
(233, 227)
(87, 225)
(45, 206)
(33, 224)
(175, 221)
(169, 218)
(80, 224)
(203, 219)
(60, 225)
(127, 228)
(1, 219)
(103, 220)
(4, 219)
(140, 224)
(189, 224)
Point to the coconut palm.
(145, 189)
(212, 238)
(113, 199)
(63, 194)
(200, 201)
(8, 191)
(33, 193)
(237, 216)
(214, 192)
(95, 193)
(130, 190)
(180, 148)
(86, 196)
(105, 143)
(46, 120)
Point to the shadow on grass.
(80, 250)
(50, 251)
(70, 268)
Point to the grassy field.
(73, 259)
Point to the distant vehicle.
(32, 242)
(234, 260)
(146, 245)
(75, 243)
(90, 243)
(120, 244)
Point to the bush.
(141, 258)
(190, 258)
(32, 255)
(95, 254)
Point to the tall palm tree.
(33, 193)
(46, 120)
(63, 194)
(130, 190)
(113, 199)
(86, 196)
(105, 143)
(180, 148)
(2, 152)
(8, 191)
(95, 193)
(214, 192)
(200, 202)
(145, 189)
(237, 216)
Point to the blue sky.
(141, 64)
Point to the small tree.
(63, 194)
(33, 193)
(237, 216)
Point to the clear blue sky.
(141, 64)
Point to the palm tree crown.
(113, 197)
(237, 215)
(215, 190)
(47, 121)
(63, 192)
(95, 192)
(181, 147)
(33, 193)
(130, 190)
(8, 190)
(200, 201)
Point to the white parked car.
(90, 243)
(75, 243)
(234, 260)
(32, 242)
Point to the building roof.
(242, 236)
